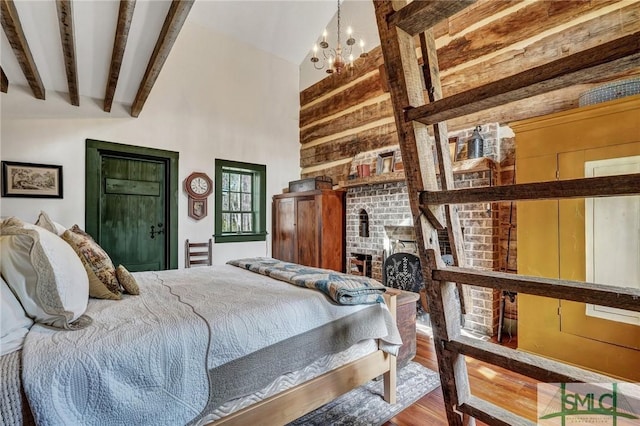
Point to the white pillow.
(45, 222)
(14, 322)
(45, 274)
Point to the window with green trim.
(241, 202)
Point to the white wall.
(215, 98)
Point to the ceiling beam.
(65, 20)
(172, 25)
(125, 15)
(419, 16)
(13, 30)
(4, 81)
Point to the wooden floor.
(501, 387)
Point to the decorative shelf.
(464, 166)
(374, 179)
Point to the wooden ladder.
(417, 100)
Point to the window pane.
(246, 202)
(247, 222)
(235, 222)
(226, 222)
(225, 201)
(234, 183)
(225, 181)
(234, 201)
(246, 183)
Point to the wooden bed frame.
(306, 397)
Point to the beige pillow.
(127, 281)
(45, 222)
(45, 275)
(103, 283)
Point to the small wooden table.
(406, 321)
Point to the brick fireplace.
(389, 227)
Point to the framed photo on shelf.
(31, 180)
(385, 163)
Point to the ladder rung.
(582, 67)
(492, 414)
(578, 291)
(419, 16)
(530, 365)
(603, 186)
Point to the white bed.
(203, 344)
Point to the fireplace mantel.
(465, 166)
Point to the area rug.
(364, 406)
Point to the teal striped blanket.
(341, 288)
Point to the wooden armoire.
(309, 228)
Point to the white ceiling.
(285, 28)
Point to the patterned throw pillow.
(100, 269)
(127, 281)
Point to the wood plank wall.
(341, 116)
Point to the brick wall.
(387, 207)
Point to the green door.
(133, 212)
(132, 204)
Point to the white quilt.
(149, 359)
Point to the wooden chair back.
(198, 253)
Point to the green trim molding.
(94, 151)
(259, 196)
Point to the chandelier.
(333, 59)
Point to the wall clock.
(198, 187)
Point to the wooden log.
(530, 365)
(492, 414)
(125, 15)
(585, 35)
(475, 13)
(603, 186)
(623, 53)
(419, 16)
(365, 115)
(349, 146)
(4, 81)
(336, 173)
(65, 21)
(368, 88)
(176, 16)
(525, 23)
(431, 72)
(333, 82)
(15, 35)
(577, 291)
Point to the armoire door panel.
(284, 240)
(307, 232)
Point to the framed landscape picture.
(31, 180)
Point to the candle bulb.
(361, 45)
(324, 35)
(315, 50)
(349, 31)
